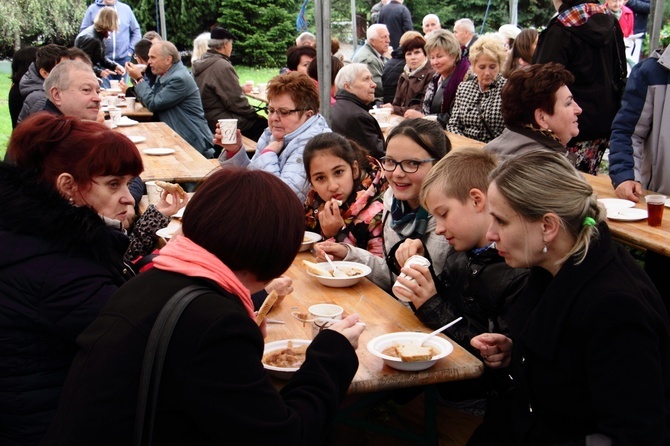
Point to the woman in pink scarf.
(241, 229)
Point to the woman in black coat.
(92, 41)
(589, 352)
(588, 41)
(241, 229)
(60, 260)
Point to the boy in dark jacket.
(476, 283)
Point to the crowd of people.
(516, 241)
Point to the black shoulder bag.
(154, 357)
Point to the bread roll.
(171, 187)
(315, 268)
(267, 306)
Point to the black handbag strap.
(154, 356)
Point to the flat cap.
(219, 33)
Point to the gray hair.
(349, 73)
(466, 24)
(539, 182)
(304, 38)
(373, 30)
(61, 75)
(166, 49)
(430, 16)
(200, 45)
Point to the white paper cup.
(115, 115)
(382, 115)
(228, 130)
(262, 87)
(153, 192)
(130, 103)
(113, 84)
(323, 315)
(112, 100)
(414, 260)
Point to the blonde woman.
(588, 322)
(200, 46)
(92, 41)
(476, 112)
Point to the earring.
(544, 250)
(70, 200)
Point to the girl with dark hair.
(65, 194)
(345, 203)
(413, 147)
(241, 229)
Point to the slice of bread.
(266, 306)
(315, 268)
(413, 352)
(171, 187)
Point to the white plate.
(137, 138)
(310, 239)
(126, 122)
(667, 203)
(282, 372)
(627, 214)
(380, 343)
(179, 213)
(167, 232)
(616, 203)
(158, 151)
(385, 125)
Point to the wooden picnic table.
(382, 314)
(258, 95)
(457, 141)
(186, 164)
(634, 233)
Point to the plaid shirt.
(466, 118)
(578, 15)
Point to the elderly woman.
(241, 229)
(450, 69)
(539, 111)
(92, 41)
(415, 77)
(476, 113)
(587, 40)
(586, 307)
(521, 53)
(293, 118)
(61, 256)
(412, 148)
(350, 116)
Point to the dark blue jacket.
(59, 264)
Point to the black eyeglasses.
(282, 112)
(407, 166)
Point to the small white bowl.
(309, 240)
(282, 372)
(342, 282)
(377, 345)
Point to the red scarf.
(183, 256)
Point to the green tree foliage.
(265, 29)
(34, 22)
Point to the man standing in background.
(372, 54)
(120, 44)
(398, 20)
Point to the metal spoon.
(439, 330)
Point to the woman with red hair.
(65, 195)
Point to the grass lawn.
(259, 76)
(5, 119)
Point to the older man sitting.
(73, 89)
(174, 98)
(372, 54)
(350, 116)
(219, 84)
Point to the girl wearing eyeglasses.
(346, 201)
(412, 148)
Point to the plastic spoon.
(439, 330)
(336, 272)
